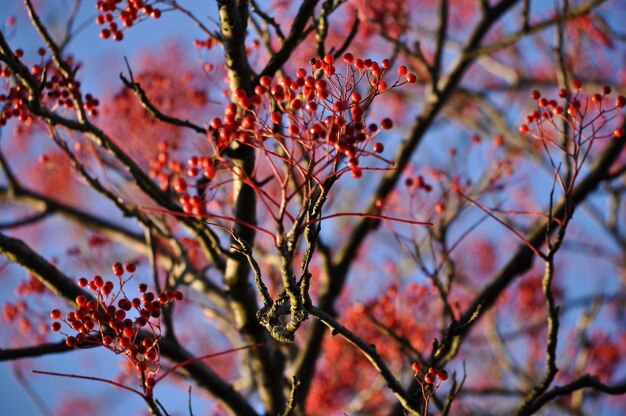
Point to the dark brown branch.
(35, 351)
(30, 219)
(510, 40)
(293, 39)
(370, 353)
(264, 362)
(16, 251)
(208, 240)
(522, 259)
(586, 381)
(155, 112)
(207, 379)
(269, 20)
(441, 42)
(344, 258)
(198, 371)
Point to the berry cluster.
(129, 13)
(14, 104)
(323, 110)
(433, 376)
(59, 91)
(204, 44)
(574, 112)
(419, 182)
(63, 89)
(171, 174)
(163, 167)
(381, 15)
(114, 320)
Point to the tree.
(411, 207)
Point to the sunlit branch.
(433, 105)
(521, 261)
(155, 112)
(18, 252)
(510, 40)
(585, 381)
(370, 353)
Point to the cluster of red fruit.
(128, 14)
(171, 173)
(15, 105)
(60, 90)
(433, 376)
(164, 168)
(322, 108)
(390, 16)
(576, 108)
(419, 182)
(204, 44)
(63, 90)
(113, 320)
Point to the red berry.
(118, 269)
(618, 132)
(98, 281)
(348, 58)
(55, 314)
(416, 367)
(620, 101)
(131, 267)
(265, 81)
(379, 147)
(180, 185)
(386, 123)
(82, 282)
(442, 375)
(125, 342)
(385, 64)
(329, 59)
(523, 129)
(150, 355)
(150, 382)
(216, 123)
(411, 78)
(402, 70)
(141, 366)
(128, 332)
(70, 342)
(56, 326)
(276, 117)
(260, 90)
(535, 95)
(606, 90)
(576, 84)
(81, 300)
(105, 33)
(429, 378)
(41, 51)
